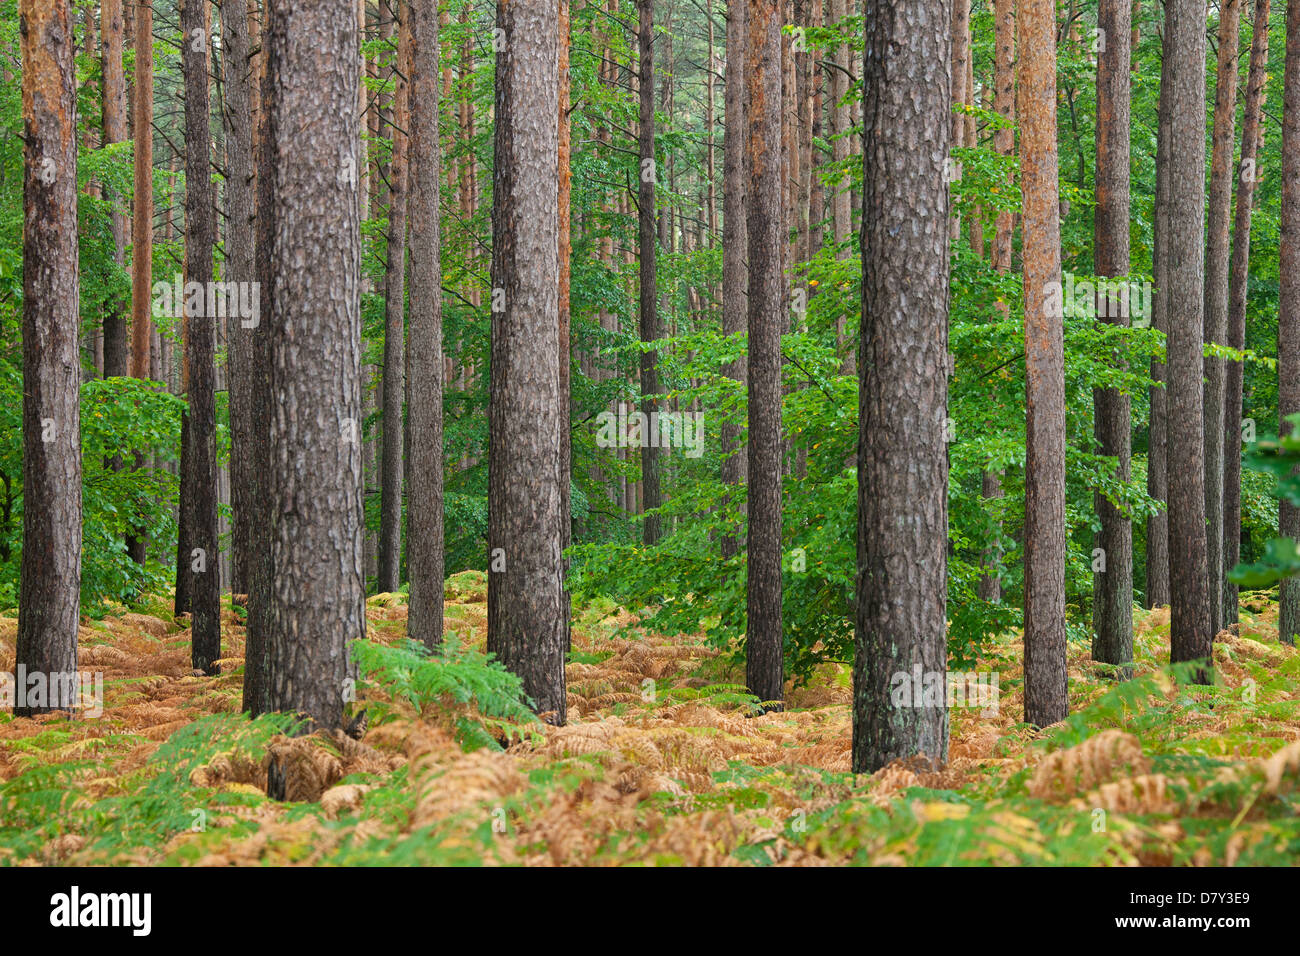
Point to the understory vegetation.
(662, 762)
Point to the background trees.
(735, 514)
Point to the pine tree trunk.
(735, 280)
(318, 596)
(241, 267)
(767, 319)
(564, 229)
(1157, 556)
(425, 546)
(1216, 293)
(841, 214)
(1288, 320)
(142, 213)
(961, 54)
(258, 637)
(116, 350)
(1004, 141)
(1252, 135)
(526, 626)
(198, 563)
(651, 330)
(390, 508)
(1189, 633)
(1112, 641)
(50, 567)
(1046, 700)
(902, 536)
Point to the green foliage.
(47, 801)
(492, 703)
(124, 423)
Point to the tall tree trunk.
(1288, 320)
(1112, 641)
(1252, 137)
(390, 508)
(142, 214)
(318, 596)
(50, 567)
(564, 194)
(1190, 636)
(816, 194)
(425, 546)
(116, 351)
(651, 330)
(197, 564)
(258, 638)
(371, 381)
(1046, 700)
(1216, 293)
(526, 607)
(768, 318)
(960, 61)
(841, 142)
(902, 539)
(1004, 141)
(1157, 556)
(735, 281)
(241, 267)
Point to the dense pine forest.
(681, 432)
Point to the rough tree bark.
(564, 229)
(651, 329)
(959, 61)
(1189, 633)
(142, 214)
(241, 267)
(425, 546)
(1252, 139)
(1046, 701)
(1112, 641)
(198, 576)
(390, 508)
(1288, 320)
(902, 536)
(841, 212)
(116, 351)
(526, 626)
(318, 595)
(1004, 141)
(49, 605)
(142, 210)
(1216, 293)
(768, 317)
(258, 638)
(735, 279)
(1157, 556)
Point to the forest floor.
(659, 763)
